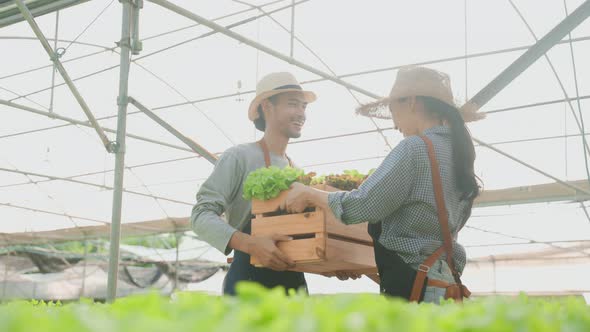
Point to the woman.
(420, 196)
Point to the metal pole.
(136, 45)
(177, 263)
(54, 57)
(119, 150)
(192, 144)
(54, 67)
(532, 54)
(84, 268)
(292, 25)
(212, 25)
(585, 211)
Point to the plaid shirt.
(400, 195)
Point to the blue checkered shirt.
(400, 195)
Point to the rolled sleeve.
(382, 193)
(335, 203)
(213, 198)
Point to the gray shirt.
(222, 193)
(400, 195)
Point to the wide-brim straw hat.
(414, 81)
(273, 84)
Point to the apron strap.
(443, 219)
(266, 152)
(422, 272)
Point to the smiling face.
(285, 113)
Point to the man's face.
(287, 114)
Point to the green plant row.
(256, 309)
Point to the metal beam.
(112, 170)
(577, 189)
(10, 205)
(66, 77)
(192, 144)
(561, 86)
(53, 115)
(11, 15)
(147, 38)
(125, 44)
(214, 26)
(215, 19)
(292, 27)
(379, 70)
(143, 228)
(585, 211)
(531, 55)
(305, 166)
(543, 103)
(211, 33)
(328, 68)
(540, 193)
(520, 65)
(448, 59)
(85, 183)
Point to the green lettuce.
(266, 183)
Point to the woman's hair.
(463, 149)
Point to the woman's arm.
(379, 196)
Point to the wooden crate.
(321, 243)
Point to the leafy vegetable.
(257, 309)
(351, 179)
(267, 183)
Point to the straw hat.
(273, 84)
(419, 81)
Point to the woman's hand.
(347, 275)
(343, 275)
(297, 199)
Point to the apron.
(241, 269)
(399, 279)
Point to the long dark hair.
(463, 149)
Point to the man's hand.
(268, 254)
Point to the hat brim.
(380, 109)
(376, 109)
(309, 96)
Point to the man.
(279, 111)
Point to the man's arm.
(213, 198)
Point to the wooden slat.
(329, 269)
(269, 206)
(341, 251)
(356, 232)
(339, 256)
(291, 224)
(301, 251)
